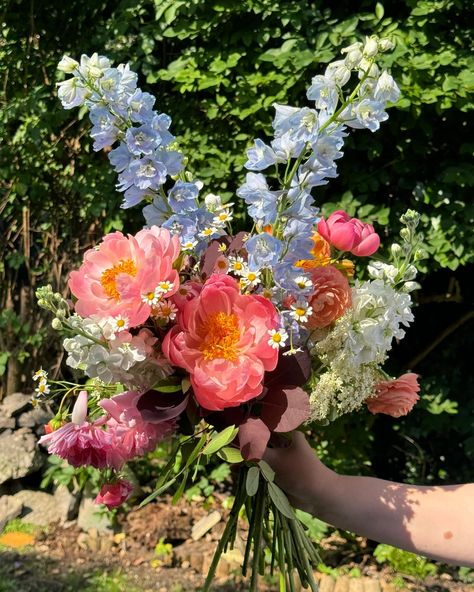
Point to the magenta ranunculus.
(395, 397)
(349, 234)
(114, 494)
(127, 275)
(221, 339)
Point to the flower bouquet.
(228, 341)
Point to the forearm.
(434, 521)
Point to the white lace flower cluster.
(357, 344)
(102, 353)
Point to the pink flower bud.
(349, 234)
(79, 411)
(114, 494)
(395, 397)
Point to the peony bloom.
(221, 339)
(114, 494)
(331, 296)
(349, 234)
(130, 435)
(395, 397)
(127, 276)
(80, 442)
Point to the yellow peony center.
(109, 277)
(222, 334)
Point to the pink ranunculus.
(130, 435)
(126, 275)
(79, 442)
(221, 339)
(114, 494)
(395, 397)
(349, 234)
(331, 296)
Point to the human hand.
(299, 472)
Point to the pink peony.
(114, 494)
(349, 234)
(395, 397)
(331, 297)
(127, 276)
(130, 435)
(221, 339)
(80, 442)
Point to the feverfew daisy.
(222, 218)
(152, 298)
(40, 375)
(301, 311)
(165, 310)
(164, 287)
(237, 265)
(250, 278)
(188, 245)
(42, 388)
(120, 323)
(303, 282)
(277, 338)
(208, 232)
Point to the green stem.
(257, 539)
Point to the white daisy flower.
(208, 232)
(119, 323)
(165, 287)
(277, 338)
(222, 217)
(251, 278)
(165, 310)
(237, 265)
(42, 388)
(301, 311)
(152, 298)
(40, 375)
(303, 282)
(189, 245)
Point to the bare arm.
(437, 522)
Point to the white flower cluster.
(109, 356)
(337, 393)
(357, 344)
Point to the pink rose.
(349, 234)
(395, 397)
(127, 276)
(331, 297)
(221, 339)
(114, 494)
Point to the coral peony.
(80, 442)
(221, 339)
(331, 296)
(127, 276)
(130, 435)
(395, 397)
(114, 494)
(349, 234)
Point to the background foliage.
(216, 68)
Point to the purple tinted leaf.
(294, 370)
(209, 259)
(237, 242)
(156, 407)
(253, 438)
(285, 409)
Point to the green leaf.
(230, 455)
(252, 481)
(179, 492)
(221, 439)
(267, 471)
(280, 500)
(379, 11)
(158, 492)
(197, 449)
(168, 385)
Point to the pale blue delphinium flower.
(184, 226)
(286, 147)
(182, 197)
(144, 173)
(157, 212)
(368, 114)
(302, 124)
(140, 106)
(263, 250)
(105, 128)
(386, 89)
(72, 93)
(120, 157)
(142, 140)
(161, 123)
(133, 196)
(262, 202)
(172, 159)
(260, 156)
(324, 92)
